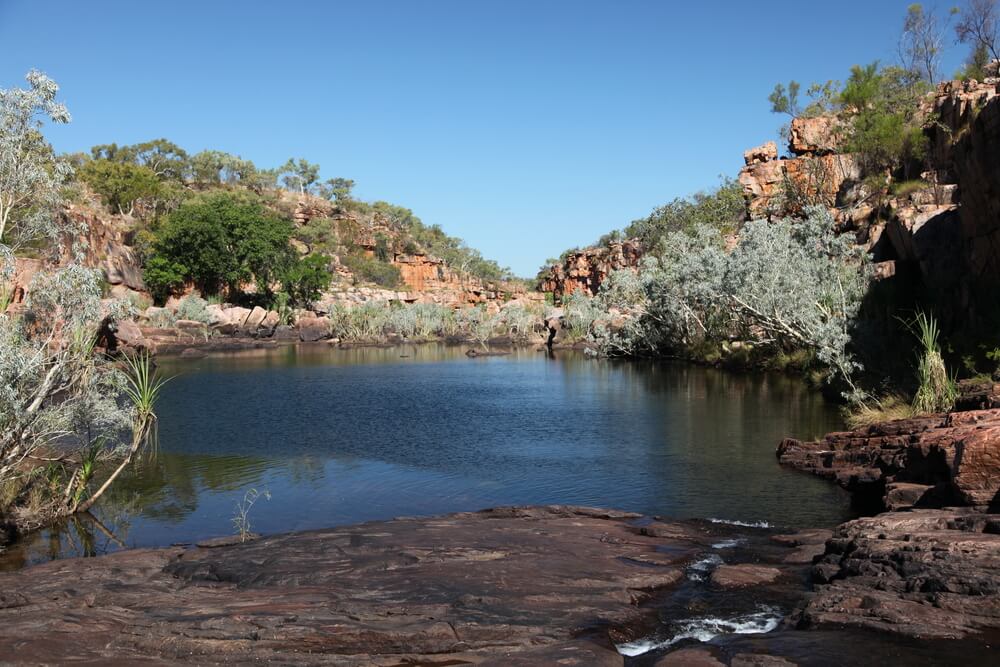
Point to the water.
(344, 436)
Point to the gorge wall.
(940, 234)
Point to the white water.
(699, 570)
(707, 628)
(745, 524)
(728, 544)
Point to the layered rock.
(585, 270)
(931, 461)
(922, 573)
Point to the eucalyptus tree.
(29, 174)
(978, 24)
(60, 407)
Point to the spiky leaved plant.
(936, 390)
(143, 388)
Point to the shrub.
(305, 279)
(723, 209)
(192, 307)
(370, 269)
(787, 285)
(120, 184)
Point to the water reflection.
(341, 436)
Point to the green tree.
(785, 100)
(300, 175)
(883, 103)
(121, 184)
(338, 190)
(305, 279)
(164, 158)
(920, 44)
(222, 240)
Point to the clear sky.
(525, 127)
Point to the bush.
(192, 307)
(723, 209)
(936, 390)
(370, 269)
(788, 285)
(120, 184)
(306, 279)
(884, 126)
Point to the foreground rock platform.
(504, 586)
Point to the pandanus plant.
(143, 386)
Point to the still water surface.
(343, 436)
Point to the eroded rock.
(922, 573)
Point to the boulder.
(255, 319)
(763, 153)
(312, 329)
(922, 573)
(817, 135)
(128, 334)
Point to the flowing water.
(342, 436)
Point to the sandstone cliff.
(585, 270)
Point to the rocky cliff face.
(585, 270)
(943, 231)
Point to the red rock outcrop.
(815, 135)
(933, 461)
(585, 270)
(922, 573)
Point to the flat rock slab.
(504, 586)
(741, 576)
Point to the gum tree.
(29, 176)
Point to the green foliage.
(723, 208)
(785, 100)
(788, 285)
(121, 184)
(193, 307)
(30, 176)
(382, 251)
(975, 67)
(884, 126)
(370, 269)
(318, 234)
(936, 390)
(305, 279)
(220, 239)
(164, 158)
(163, 277)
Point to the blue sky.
(523, 127)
